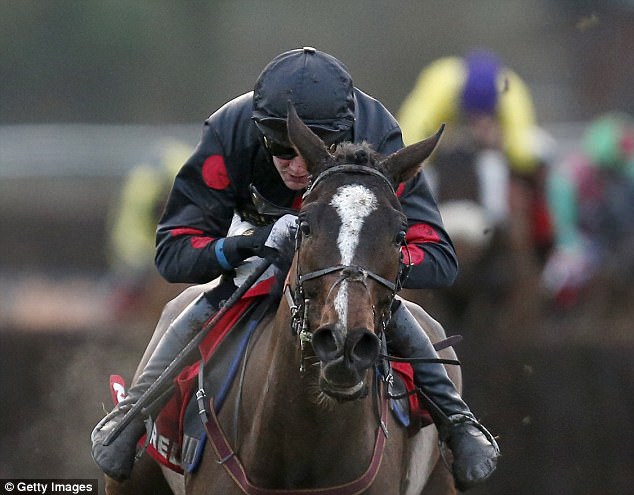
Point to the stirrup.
(458, 419)
(446, 430)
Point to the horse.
(309, 414)
(491, 232)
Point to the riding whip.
(155, 390)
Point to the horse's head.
(348, 262)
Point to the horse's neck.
(289, 423)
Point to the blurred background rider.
(491, 122)
(591, 197)
(137, 291)
(488, 181)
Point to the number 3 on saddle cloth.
(177, 436)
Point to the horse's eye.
(304, 228)
(400, 237)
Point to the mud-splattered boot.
(117, 458)
(475, 451)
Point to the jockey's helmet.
(481, 87)
(609, 141)
(319, 86)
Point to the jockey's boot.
(474, 449)
(117, 458)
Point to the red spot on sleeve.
(416, 235)
(413, 255)
(215, 173)
(201, 242)
(197, 241)
(185, 231)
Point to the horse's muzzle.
(344, 360)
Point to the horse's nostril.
(325, 344)
(364, 348)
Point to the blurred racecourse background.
(90, 89)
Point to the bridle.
(226, 455)
(295, 296)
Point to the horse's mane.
(359, 154)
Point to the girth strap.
(229, 459)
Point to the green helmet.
(609, 141)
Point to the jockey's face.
(485, 130)
(292, 171)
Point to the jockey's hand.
(266, 242)
(238, 248)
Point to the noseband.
(296, 299)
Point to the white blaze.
(353, 204)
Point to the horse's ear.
(405, 163)
(306, 142)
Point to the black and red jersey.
(215, 183)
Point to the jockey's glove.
(238, 248)
(270, 241)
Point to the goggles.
(279, 150)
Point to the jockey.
(591, 195)
(475, 91)
(488, 109)
(132, 223)
(245, 143)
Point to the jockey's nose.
(297, 165)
